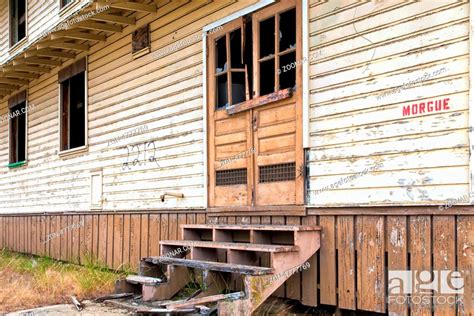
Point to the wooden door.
(230, 182)
(255, 135)
(278, 126)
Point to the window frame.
(18, 163)
(256, 99)
(67, 152)
(266, 13)
(12, 45)
(211, 61)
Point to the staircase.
(252, 261)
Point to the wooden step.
(139, 279)
(253, 227)
(230, 245)
(213, 266)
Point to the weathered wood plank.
(135, 241)
(420, 258)
(309, 295)
(126, 240)
(181, 221)
(191, 218)
(44, 233)
(80, 235)
(346, 262)
(102, 250)
(173, 226)
(370, 263)
(110, 240)
(214, 266)
(88, 229)
(68, 250)
(154, 235)
(327, 263)
(201, 218)
(144, 236)
(293, 284)
(465, 262)
(396, 240)
(56, 241)
(444, 258)
(164, 233)
(276, 220)
(118, 242)
(76, 236)
(95, 238)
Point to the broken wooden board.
(204, 300)
(213, 266)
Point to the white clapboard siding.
(163, 93)
(4, 40)
(41, 16)
(360, 52)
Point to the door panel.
(275, 136)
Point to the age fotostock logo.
(412, 287)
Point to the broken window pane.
(221, 55)
(238, 87)
(267, 77)
(288, 70)
(288, 30)
(222, 99)
(236, 49)
(267, 37)
(249, 56)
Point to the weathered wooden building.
(122, 120)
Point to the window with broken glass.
(248, 55)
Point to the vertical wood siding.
(124, 94)
(362, 51)
(349, 271)
(113, 240)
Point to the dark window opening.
(267, 77)
(288, 74)
(221, 56)
(267, 37)
(73, 112)
(222, 100)
(238, 87)
(288, 30)
(236, 49)
(18, 133)
(17, 21)
(65, 3)
(248, 55)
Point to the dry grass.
(28, 281)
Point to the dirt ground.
(90, 308)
